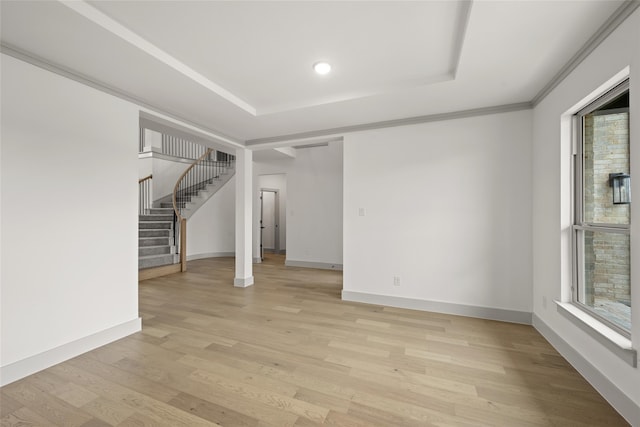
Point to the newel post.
(183, 244)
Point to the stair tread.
(155, 256)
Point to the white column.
(244, 216)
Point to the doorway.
(269, 222)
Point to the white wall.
(278, 182)
(447, 209)
(211, 229)
(69, 219)
(165, 175)
(552, 204)
(145, 167)
(314, 212)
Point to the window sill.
(618, 344)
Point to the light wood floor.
(289, 352)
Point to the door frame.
(276, 219)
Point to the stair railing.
(191, 180)
(179, 147)
(144, 194)
(201, 173)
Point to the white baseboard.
(210, 255)
(273, 251)
(311, 264)
(240, 282)
(31, 365)
(612, 394)
(500, 314)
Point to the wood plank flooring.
(289, 352)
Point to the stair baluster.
(192, 180)
(144, 195)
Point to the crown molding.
(117, 29)
(103, 87)
(618, 17)
(392, 123)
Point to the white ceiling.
(244, 69)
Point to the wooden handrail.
(141, 180)
(175, 188)
(181, 220)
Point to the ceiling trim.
(352, 96)
(613, 22)
(313, 145)
(299, 143)
(103, 87)
(101, 19)
(618, 17)
(463, 25)
(392, 123)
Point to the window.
(602, 206)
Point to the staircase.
(190, 198)
(160, 224)
(156, 244)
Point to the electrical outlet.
(544, 302)
(362, 212)
(396, 280)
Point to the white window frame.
(579, 225)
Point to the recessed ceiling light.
(322, 67)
